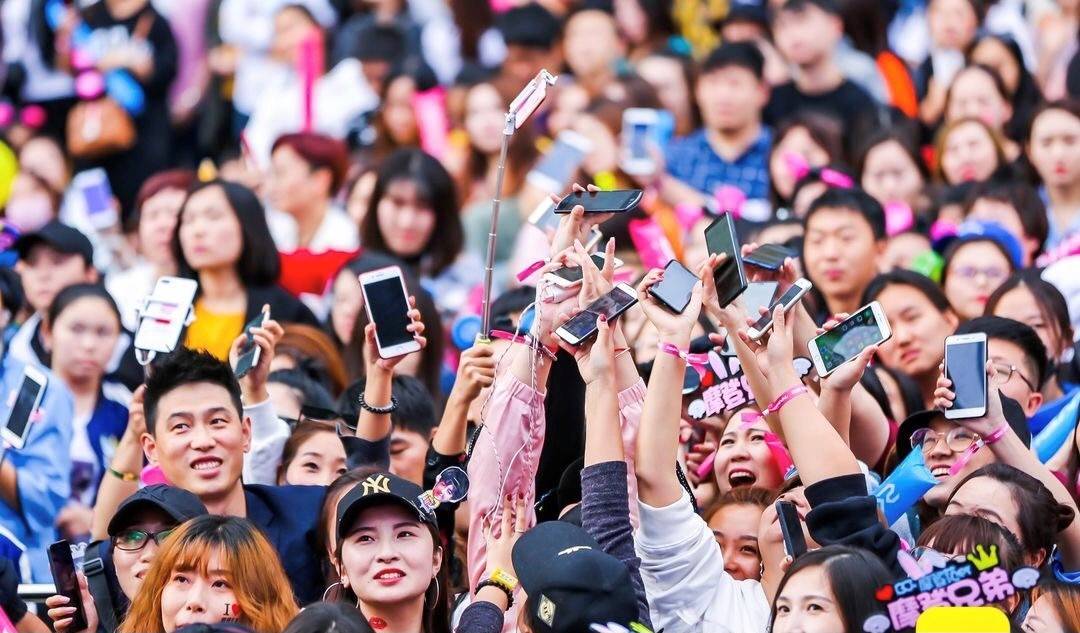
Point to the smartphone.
(619, 201)
(165, 314)
(97, 196)
(558, 166)
(67, 583)
(387, 305)
(543, 216)
(791, 527)
(17, 426)
(249, 353)
(582, 326)
(965, 366)
(674, 290)
(637, 134)
(868, 326)
(569, 276)
(788, 300)
(759, 294)
(720, 237)
(769, 256)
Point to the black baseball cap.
(177, 503)
(381, 488)
(1014, 415)
(571, 582)
(746, 12)
(60, 237)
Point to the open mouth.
(740, 477)
(389, 576)
(204, 464)
(940, 472)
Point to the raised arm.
(476, 370)
(122, 478)
(372, 425)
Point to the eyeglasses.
(991, 273)
(134, 540)
(957, 439)
(1003, 372)
(935, 558)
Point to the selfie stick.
(520, 109)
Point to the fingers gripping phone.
(570, 276)
(787, 301)
(674, 290)
(387, 305)
(165, 315)
(67, 582)
(868, 326)
(582, 326)
(720, 238)
(619, 201)
(965, 366)
(791, 527)
(250, 351)
(17, 425)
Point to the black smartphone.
(674, 290)
(720, 237)
(601, 201)
(249, 352)
(794, 540)
(769, 256)
(67, 583)
(582, 326)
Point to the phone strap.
(98, 584)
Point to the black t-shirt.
(289, 517)
(847, 103)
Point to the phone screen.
(720, 237)
(786, 299)
(769, 256)
(389, 310)
(794, 540)
(676, 287)
(965, 366)
(638, 141)
(600, 201)
(611, 305)
(67, 583)
(19, 418)
(848, 339)
(574, 273)
(559, 164)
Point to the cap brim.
(914, 422)
(123, 514)
(534, 553)
(353, 510)
(27, 242)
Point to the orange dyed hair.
(252, 567)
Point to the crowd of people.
(920, 154)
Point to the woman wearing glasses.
(141, 523)
(974, 268)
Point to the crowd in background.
(923, 154)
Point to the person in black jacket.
(222, 240)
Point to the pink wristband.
(524, 339)
(786, 397)
(998, 433)
(697, 361)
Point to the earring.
(327, 592)
(436, 579)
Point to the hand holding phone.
(582, 326)
(965, 366)
(676, 287)
(769, 256)
(250, 352)
(619, 201)
(721, 238)
(67, 583)
(844, 342)
(165, 315)
(387, 304)
(791, 527)
(787, 301)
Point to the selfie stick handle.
(523, 105)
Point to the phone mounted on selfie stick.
(161, 324)
(519, 111)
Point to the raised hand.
(371, 348)
(785, 276)
(846, 376)
(985, 425)
(266, 339)
(596, 360)
(476, 370)
(667, 323)
(576, 224)
(515, 522)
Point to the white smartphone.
(570, 276)
(582, 326)
(867, 326)
(965, 366)
(788, 300)
(17, 426)
(165, 314)
(387, 303)
(637, 132)
(557, 167)
(758, 294)
(544, 217)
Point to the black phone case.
(769, 256)
(659, 292)
(62, 566)
(794, 540)
(561, 210)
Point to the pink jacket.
(506, 454)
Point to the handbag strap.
(98, 584)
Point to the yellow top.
(214, 332)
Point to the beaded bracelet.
(390, 408)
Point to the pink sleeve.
(631, 402)
(504, 460)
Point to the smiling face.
(191, 597)
(940, 457)
(744, 459)
(388, 557)
(974, 273)
(131, 566)
(807, 604)
(735, 528)
(318, 462)
(919, 329)
(199, 440)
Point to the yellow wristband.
(123, 476)
(503, 579)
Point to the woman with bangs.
(213, 568)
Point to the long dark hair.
(1048, 299)
(435, 188)
(853, 575)
(258, 264)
